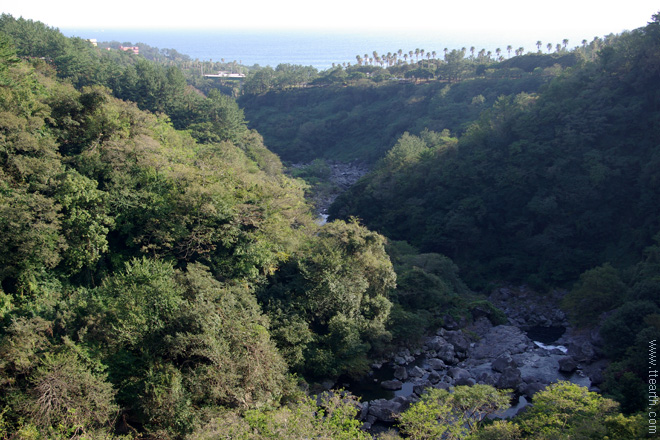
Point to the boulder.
(416, 372)
(364, 411)
(488, 379)
(384, 410)
(436, 364)
(421, 387)
(442, 386)
(435, 343)
(529, 389)
(567, 364)
(401, 373)
(460, 343)
(392, 384)
(500, 340)
(459, 374)
(502, 363)
(582, 351)
(446, 353)
(510, 378)
(481, 326)
(400, 360)
(434, 377)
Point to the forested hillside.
(155, 279)
(543, 187)
(360, 119)
(162, 278)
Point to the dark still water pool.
(545, 335)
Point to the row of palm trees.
(401, 57)
(395, 58)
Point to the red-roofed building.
(134, 49)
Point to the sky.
(591, 17)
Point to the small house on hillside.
(134, 49)
(225, 75)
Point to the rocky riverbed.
(500, 355)
(340, 177)
(504, 356)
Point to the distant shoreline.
(319, 49)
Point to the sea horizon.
(320, 49)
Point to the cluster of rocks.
(502, 356)
(525, 308)
(342, 176)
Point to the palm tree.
(558, 47)
(359, 59)
(539, 44)
(498, 51)
(509, 48)
(565, 42)
(549, 46)
(433, 54)
(482, 54)
(472, 49)
(417, 54)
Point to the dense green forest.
(161, 277)
(546, 188)
(360, 118)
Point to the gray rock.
(582, 351)
(481, 326)
(470, 381)
(488, 379)
(416, 372)
(567, 364)
(447, 354)
(442, 386)
(434, 377)
(420, 388)
(457, 374)
(510, 378)
(401, 373)
(460, 343)
(436, 364)
(500, 340)
(384, 410)
(435, 343)
(529, 389)
(391, 384)
(502, 363)
(458, 340)
(364, 412)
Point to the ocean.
(318, 49)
